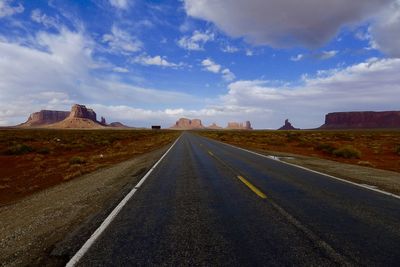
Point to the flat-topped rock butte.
(362, 119)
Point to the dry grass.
(34, 159)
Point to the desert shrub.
(43, 150)
(397, 149)
(77, 160)
(292, 137)
(103, 142)
(325, 147)
(18, 149)
(347, 152)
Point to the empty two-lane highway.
(207, 203)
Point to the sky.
(149, 63)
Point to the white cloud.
(6, 9)
(120, 70)
(210, 65)
(327, 54)
(284, 23)
(227, 75)
(121, 41)
(249, 53)
(197, 41)
(38, 17)
(385, 31)
(120, 4)
(230, 49)
(297, 58)
(155, 61)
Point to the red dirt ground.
(35, 159)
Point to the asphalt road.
(210, 204)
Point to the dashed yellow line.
(252, 187)
(241, 178)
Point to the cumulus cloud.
(385, 31)
(120, 4)
(284, 23)
(197, 41)
(6, 9)
(209, 65)
(155, 61)
(121, 41)
(228, 75)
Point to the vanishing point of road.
(210, 204)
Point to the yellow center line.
(241, 178)
(252, 187)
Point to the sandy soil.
(45, 229)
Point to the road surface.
(211, 204)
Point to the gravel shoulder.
(380, 179)
(45, 229)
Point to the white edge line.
(81, 252)
(317, 172)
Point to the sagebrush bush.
(348, 152)
(77, 160)
(327, 148)
(397, 149)
(18, 149)
(43, 150)
(293, 137)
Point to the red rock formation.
(287, 126)
(214, 126)
(45, 117)
(80, 111)
(363, 119)
(239, 126)
(187, 124)
(80, 117)
(196, 124)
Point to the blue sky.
(152, 62)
